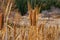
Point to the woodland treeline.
(44, 4)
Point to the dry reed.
(33, 32)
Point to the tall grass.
(31, 32)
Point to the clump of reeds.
(33, 14)
(33, 18)
(6, 15)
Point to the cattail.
(30, 12)
(34, 18)
(1, 21)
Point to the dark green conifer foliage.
(45, 4)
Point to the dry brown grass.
(31, 32)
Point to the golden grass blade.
(6, 11)
(29, 7)
(10, 27)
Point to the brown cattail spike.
(30, 12)
(1, 21)
(35, 14)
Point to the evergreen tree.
(45, 4)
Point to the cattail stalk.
(1, 21)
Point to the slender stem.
(7, 16)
